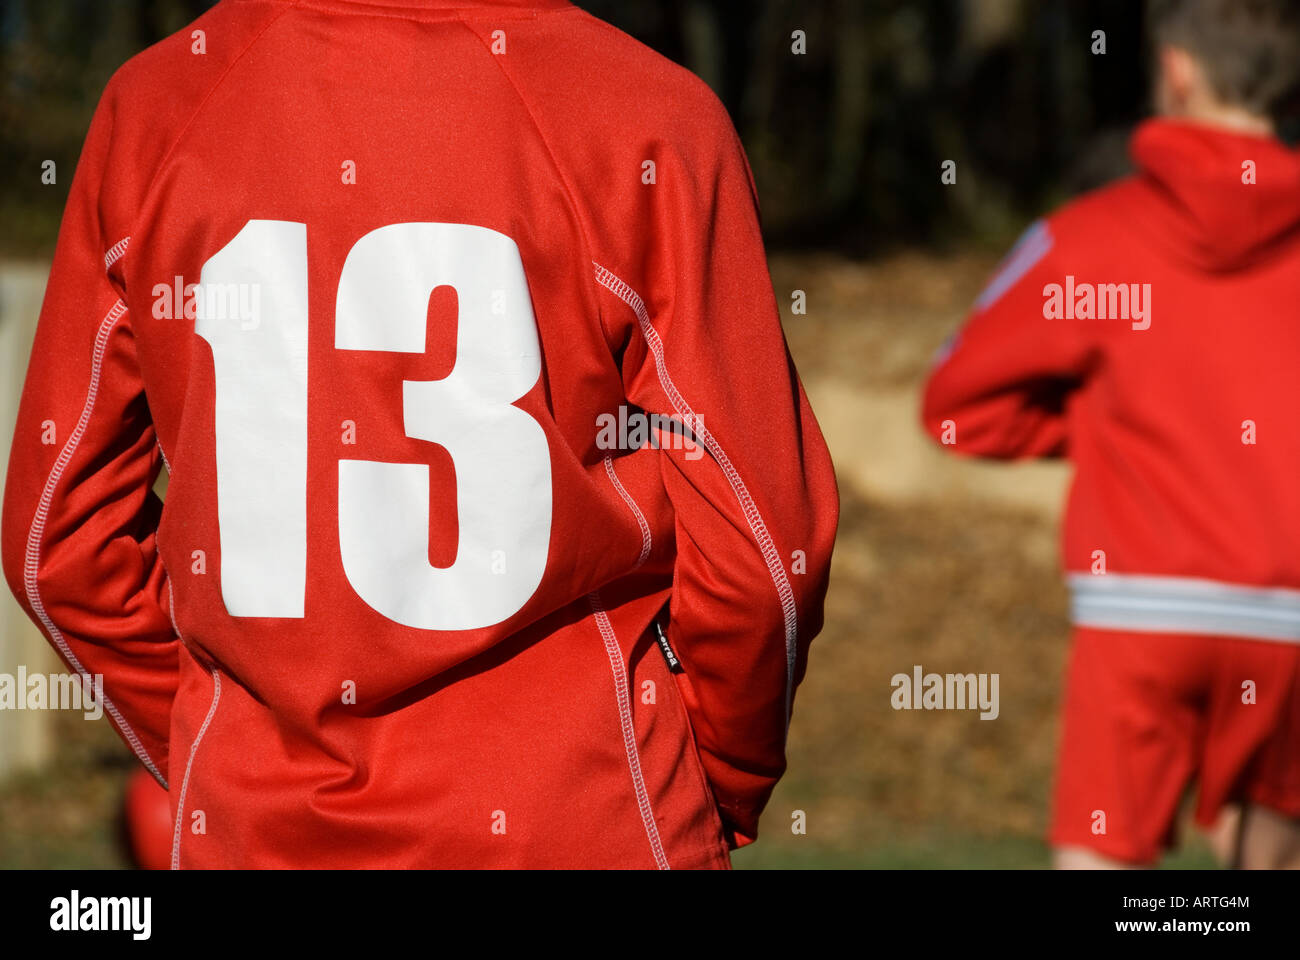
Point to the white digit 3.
(500, 453)
(503, 466)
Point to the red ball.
(148, 822)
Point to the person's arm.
(80, 518)
(756, 504)
(1000, 387)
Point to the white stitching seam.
(115, 252)
(636, 511)
(167, 463)
(32, 555)
(629, 730)
(185, 781)
(171, 604)
(785, 594)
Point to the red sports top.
(388, 285)
(1150, 331)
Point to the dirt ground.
(939, 563)
(947, 564)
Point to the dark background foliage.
(846, 140)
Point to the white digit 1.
(260, 368)
(500, 453)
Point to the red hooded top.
(1178, 407)
(376, 278)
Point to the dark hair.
(1250, 49)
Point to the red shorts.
(1146, 714)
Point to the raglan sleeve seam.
(578, 210)
(194, 115)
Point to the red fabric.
(1153, 419)
(452, 732)
(149, 824)
(1145, 713)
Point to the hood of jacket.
(1224, 200)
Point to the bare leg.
(1225, 837)
(1081, 858)
(1269, 840)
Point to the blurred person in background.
(1150, 332)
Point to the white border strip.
(610, 281)
(629, 730)
(1149, 604)
(36, 533)
(1034, 244)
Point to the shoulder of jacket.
(641, 88)
(189, 62)
(1097, 209)
(152, 99)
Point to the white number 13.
(500, 453)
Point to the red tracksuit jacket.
(1179, 412)
(373, 278)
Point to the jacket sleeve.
(999, 387)
(80, 518)
(752, 486)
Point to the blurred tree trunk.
(850, 105)
(771, 50)
(702, 37)
(988, 23)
